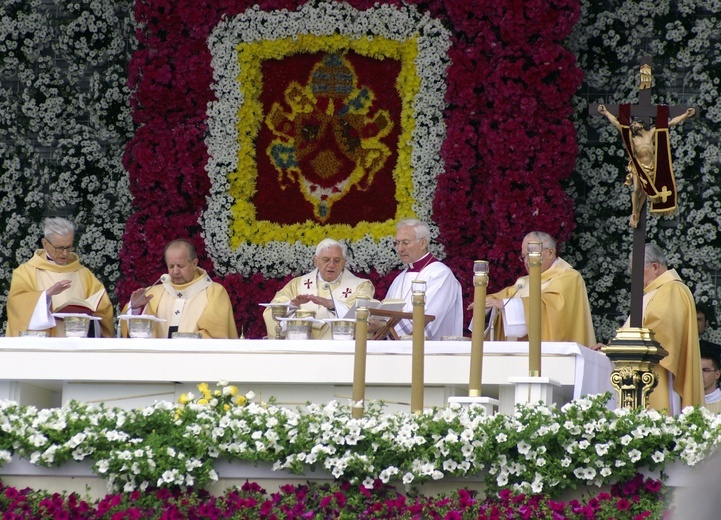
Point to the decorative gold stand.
(634, 352)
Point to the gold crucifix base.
(634, 352)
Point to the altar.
(131, 373)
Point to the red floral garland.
(509, 145)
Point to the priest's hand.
(494, 302)
(58, 287)
(138, 300)
(323, 302)
(597, 347)
(300, 300)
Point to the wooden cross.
(645, 110)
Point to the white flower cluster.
(537, 449)
(64, 120)
(277, 257)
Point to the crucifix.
(650, 171)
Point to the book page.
(393, 304)
(514, 318)
(389, 304)
(86, 306)
(350, 315)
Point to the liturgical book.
(86, 306)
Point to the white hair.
(547, 241)
(327, 243)
(420, 228)
(58, 227)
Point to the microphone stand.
(519, 286)
(330, 290)
(163, 278)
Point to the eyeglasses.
(404, 243)
(64, 249)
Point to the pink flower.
(623, 505)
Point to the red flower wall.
(510, 144)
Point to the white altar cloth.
(133, 372)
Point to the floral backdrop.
(510, 147)
(474, 203)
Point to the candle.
(418, 299)
(480, 282)
(359, 361)
(535, 250)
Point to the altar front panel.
(136, 372)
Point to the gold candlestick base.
(634, 352)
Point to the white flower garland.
(279, 258)
(537, 449)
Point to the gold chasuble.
(343, 291)
(669, 310)
(38, 274)
(565, 311)
(200, 305)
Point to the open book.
(86, 306)
(389, 304)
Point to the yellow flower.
(226, 407)
(183, 399)
(217, 393)
(241, 400)
(202, 401)
(203, 387)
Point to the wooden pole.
(480, 282)
(638, 261)
(419, 336)
(535, 250)
(359, 364)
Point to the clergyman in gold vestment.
(565, 311)
(669, 310)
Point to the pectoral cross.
(645, 110)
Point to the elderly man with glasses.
(52, 277)
(443, 292)
(565, 311)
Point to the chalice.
(278, 310)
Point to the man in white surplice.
(443, 292)
(329, 290)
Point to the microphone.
(327, 287)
